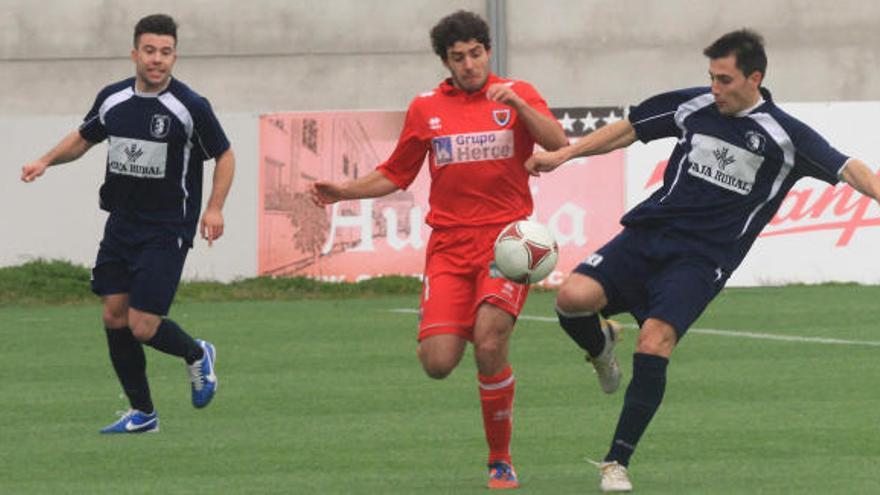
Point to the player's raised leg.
(497, 389)
(154, 284)
(578, 303)
(165, 335)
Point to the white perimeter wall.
(278, 55)
(57, 216)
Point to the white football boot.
(614, 478)
(605, 364)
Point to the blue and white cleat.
(134, 421)
(202, 376)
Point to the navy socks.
(127, 356)
(642, 399)
(585, 329)
(171, 339)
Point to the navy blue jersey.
(727, 175)
(157, 145)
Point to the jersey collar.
(447, 88)
(155, 94)
(743, 113)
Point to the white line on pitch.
(724, 333)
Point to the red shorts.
(457, 281)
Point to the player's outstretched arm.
(371, 185)
(545, 130)
(860, 177)
(608, 138)
(212, 223)
(69, 149)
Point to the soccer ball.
(525, 252)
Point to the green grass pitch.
(327, 397)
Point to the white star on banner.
(589, 122)
(611, 118)
(567, 122)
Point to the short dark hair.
(459, 26)
(747, 45)
(155, 24)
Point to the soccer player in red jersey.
(478, 130)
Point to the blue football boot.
(134, 421)
(202, 376)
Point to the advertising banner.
(581, 202)
(821, 233)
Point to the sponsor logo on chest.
(137, 158)
(473, 147)
(723, 164)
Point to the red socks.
(496, 397)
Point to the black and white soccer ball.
(525, 252)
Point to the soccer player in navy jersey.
(737, 155)
(159, 133)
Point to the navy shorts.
(141, 260)
(651, 274)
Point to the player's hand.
(545, 161)
(325, 193)
(32, 170)
(503, 93)
(211, 225)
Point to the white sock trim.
(574, 315)
(499, 385)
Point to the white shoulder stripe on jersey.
(180, 111)
(653, 117)
(689, 107)
(113, 100)
(777, 132)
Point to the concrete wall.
(274, 55)
(270, 55)
(613, 52)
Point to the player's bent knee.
(438, 370)
(143, 325)
(436, 366)
(579, 295)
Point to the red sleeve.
(528, 93)
(404, 164)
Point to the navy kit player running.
(159, 134)
(737, 155)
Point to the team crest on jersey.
(755, 141)
(159, 125)
(501, 116)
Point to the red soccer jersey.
(476, 149)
